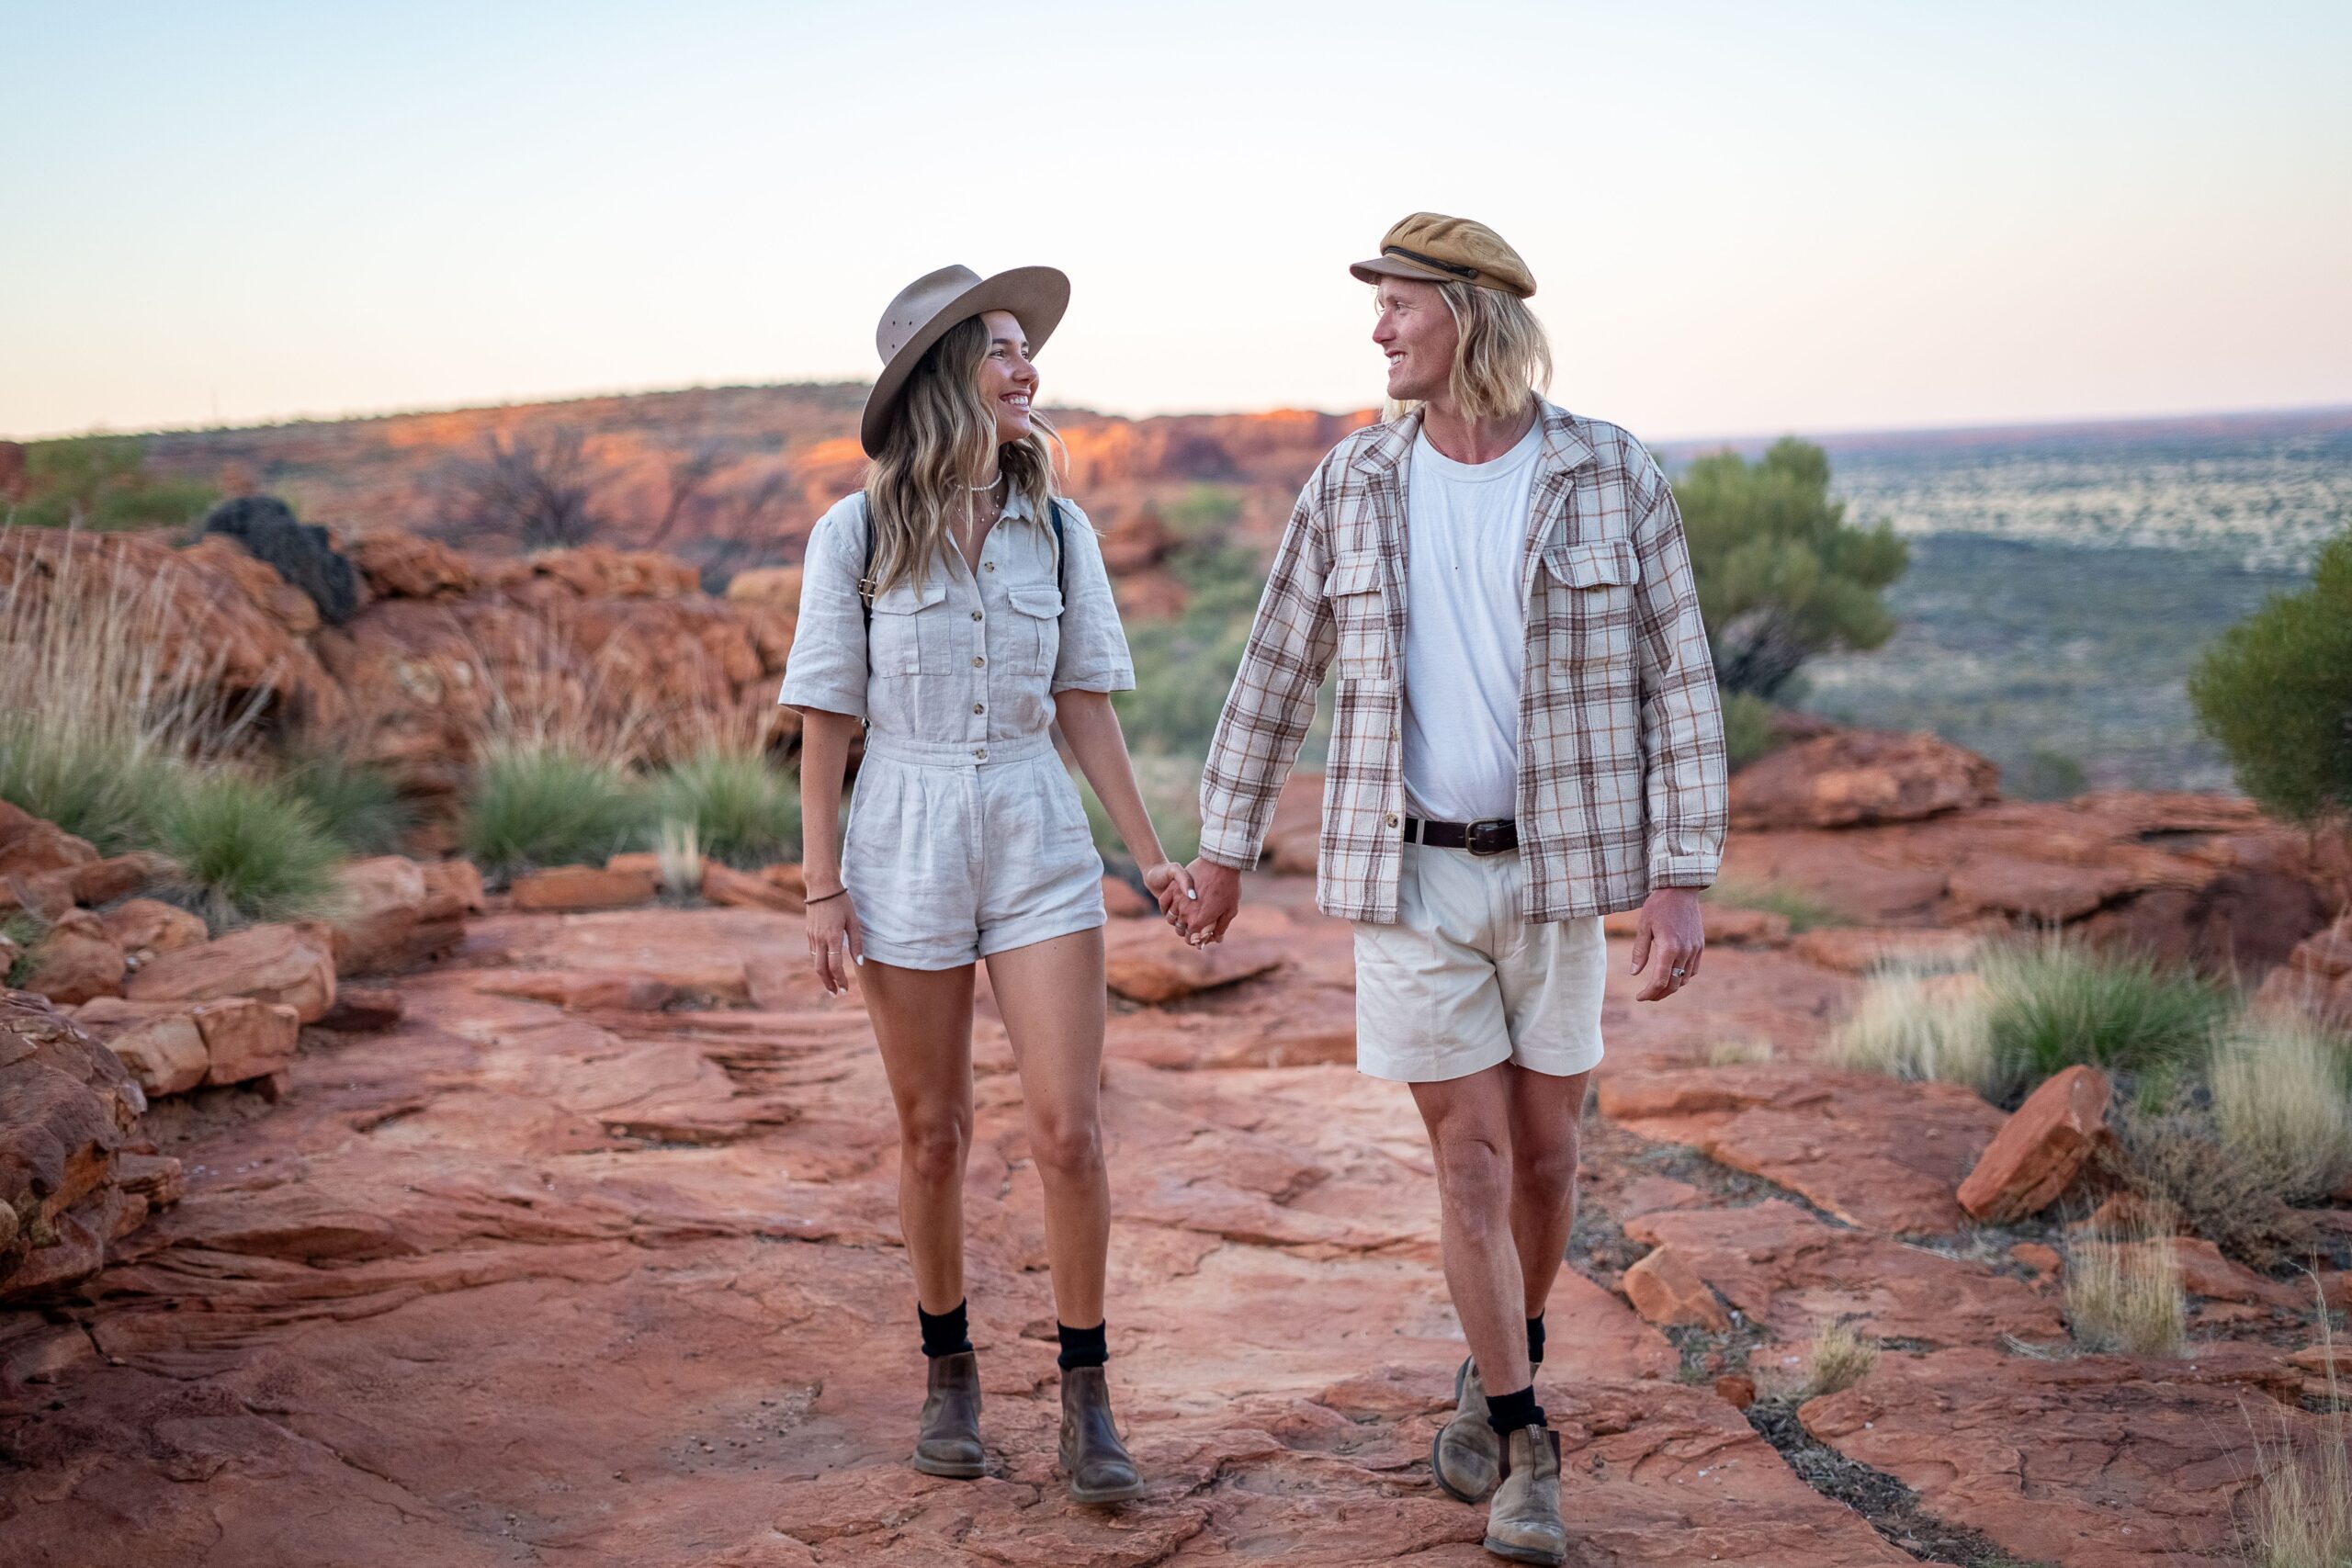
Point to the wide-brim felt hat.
(926, 309)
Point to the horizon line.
(1990, 427)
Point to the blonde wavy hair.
(919, 492)
(1501, 357)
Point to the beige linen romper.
(966, 835)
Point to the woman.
(960, 610)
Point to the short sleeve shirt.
(956, 655)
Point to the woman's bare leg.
(923, 1019)
(1050, 994)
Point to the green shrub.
(2047, 775)
(533, 805)
(24, 930)
(744, 811)
(105, 787)
(1171, 787)
(247, 849)
(1782, 575)
(2276, 692)
(2055, 1003)
(358, 806)
(1747, 729)
(1802, 911)
(99, 482)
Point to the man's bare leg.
(1469, 1122)
(1545, 1114)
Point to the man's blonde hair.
(1501, 357)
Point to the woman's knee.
(1066, 1146)
(933, 1143)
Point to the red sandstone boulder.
(145, 927)
(2039, 1151)
(2317, 977)
(722, 883)
(1665, 1289)
(390, 917)
(157, 1042)
(245, 1039)
(572, 888)
(103, 882)
(458, 879)
(1122, 902)
(399, 565)
(76, 960)
(777, 585)
(1857, 776)
(67, 1106)
(1146, 961)
(292, 965)
(1855, 950)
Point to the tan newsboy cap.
(1437, 249)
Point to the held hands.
(1672, 932)
(834, 943)
(1172, 886)
(1204, 920)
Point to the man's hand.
(1672, 932)
(1219, 887)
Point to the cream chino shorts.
(1462, 981)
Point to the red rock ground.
(528, 1283)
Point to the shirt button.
(979, 708)
(988, 565)
(978, 661)
(982, 754)
(1392, 819)
(976, 615)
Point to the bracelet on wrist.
(828, 897)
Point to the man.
(1527, 737)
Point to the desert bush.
(533, 805)
(1920, 1026)
(1782, 575)
(542, 492)
(2301, 1514)
(1747, 729)
(2047, 774)
(2056, 1002)
(743, 810)
(2124, 1296)
(26, 931)
(247, 849)
(2175, 1164)
(101, 482)
(357, 805)
(2282, 1104)
(1840, 1358)
(1802, 909)
(1171, 787)
(2276, 692)
(100, 788)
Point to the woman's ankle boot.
(948, 1442)
(1094, 1459)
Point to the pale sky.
(1742, 218)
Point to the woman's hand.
(1172, 886)
(833, 942)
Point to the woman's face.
(1007, 380)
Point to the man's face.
(1417, 332)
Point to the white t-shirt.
(1466, 630)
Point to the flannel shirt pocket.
(1358, 617)
(907, 634)
(1592, 602)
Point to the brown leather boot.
(1466, 1456)
(1094, 1459)
(1524, 1521)
(948, 1442)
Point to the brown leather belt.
(1496, 835)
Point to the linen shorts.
(1463, 980)
(948, 859)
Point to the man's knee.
(1474, 1171)
(1546, 1165)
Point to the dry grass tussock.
(1840, 1358)
(677, 852)
(2124, 1294)
(1739, 1053)
(2174, 1162)
(1918, 1025)
(2301, 1512)
(2282, 1102)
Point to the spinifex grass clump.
(2055, 1003)
(1840, 1358)
(535, 806)
(1922, 1026)
(2124, 1295)
(744, 811)
(2302, 1513)
(358, 807)
(2282, 1104)
(247, 850)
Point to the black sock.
(1082, 1347)
(949, 1334)
(1535, 1341)
(1507, 1413)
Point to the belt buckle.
(1487, 837)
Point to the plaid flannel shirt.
(1621, 750)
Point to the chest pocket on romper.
(1033, 634)
(1592, 602)
(1358, 617)
(908, 633)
